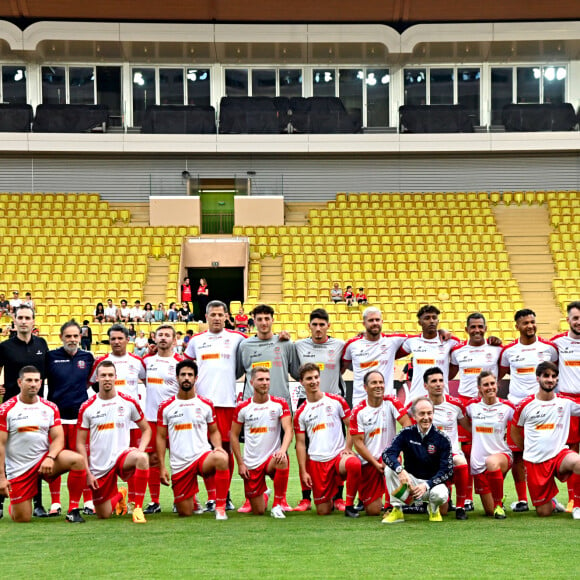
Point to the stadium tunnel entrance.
(225, 284)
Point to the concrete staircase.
(154, 290)
(526, 231)
(271, 280)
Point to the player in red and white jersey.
(429, 349)
(372, 351)
(264, 417)
(568, 344)
(161, 385)
(373, 426)
(520, 359)
(329, 459)
(469, 360)
(187, 419)
(491, 457)
(215, 352)
(541, 426)
(106, 419)
(32, 444)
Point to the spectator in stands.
(336, 293)
(151, 339)
(179, 343)
(137, 313)
(185, 312)
(173, 313)
(124, 312)
(159, 314)
(241, 321)
(28, 301)
(132, 332)
(10, 330)
(99, 314)
(141, 344)
(148, 315)
(15, 302)
(4, 305)
(349, 296)
(186, 291)
(86, 336)
(202, 297)
(110, 312)
(361, 297)
(187, 338)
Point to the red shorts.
(25, 486)
(372, 484)
(541, 478)
(326, 479)
(70, 436)
(135, 438)
(464, 435)
(184, 483)
(224, 417)
(574, 433)
(509, 439)
(480, 481)
(108, 483)
(256, 484)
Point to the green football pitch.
(301, 546)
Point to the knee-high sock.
(131, 489)
(222, 479)
(87, 494)
(460, 478)
(54, 487)
(466, 448)
(495, 480)
(576, 485)
(116, 499)
(75, 483)
(154, 484)
(210, 486)
(570, 484)
(353, 471)
(521, 491)
(140, 480)
(280, 485)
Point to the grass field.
(302, 546)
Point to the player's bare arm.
(215, 438)
(56, 436)
(4, 484)
(348, 443)
(145, 434)
(517, 434)
(301, 456)
(161, 448)
(235, 445)
(358, 441)
(82, 436)
(280, 455)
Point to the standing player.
(107, 418)
(187, 419)
(428, 349)
(448, 412)
(491, 458)
(32, 443)
(541, 426)
(373, 427)
(20, 350)
(330, 458)
(264, 417)
(215, 352)
(568, 344)
(469, 360)
(372, 351)
(129, 369)
(326, 352)
(161, 385)
(520, 359)
(68, 369)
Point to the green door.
(217, 212)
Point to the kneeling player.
(330, 459)
(32, 443)
(263, 417)
(373, 426)
(107, 418)
(491, 458)
(187, 419)
(544, 419)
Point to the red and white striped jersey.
(569, 363)
(109, 422)
(161, 382)
(377, 424)
(471, 361)
(521, 361)
(322, 422)
(489, 424)
(27, 426)
(187, 422)
(263, 428)
(546, 425)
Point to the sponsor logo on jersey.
(105, 426)
(120, 382)
(425, 361)
(256, 430)
(368, 364)
(266, 364)
(525, 370)
(121, 411)
(480, 429)
(29, 429)
(474, 371)
(319, 427)
(210, 356)
(545, 427)
(154, 381)
(183, 427)
(320, 366)
(375, 432)
(81, 364)
(572, 363)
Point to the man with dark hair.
(540, 427)
(428, 465)
(68, 369)
(568, 344)
(187, 419)
(520, 359)
(20, 350)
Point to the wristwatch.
(399, 469)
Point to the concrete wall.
(178, 210)
(264, 210)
